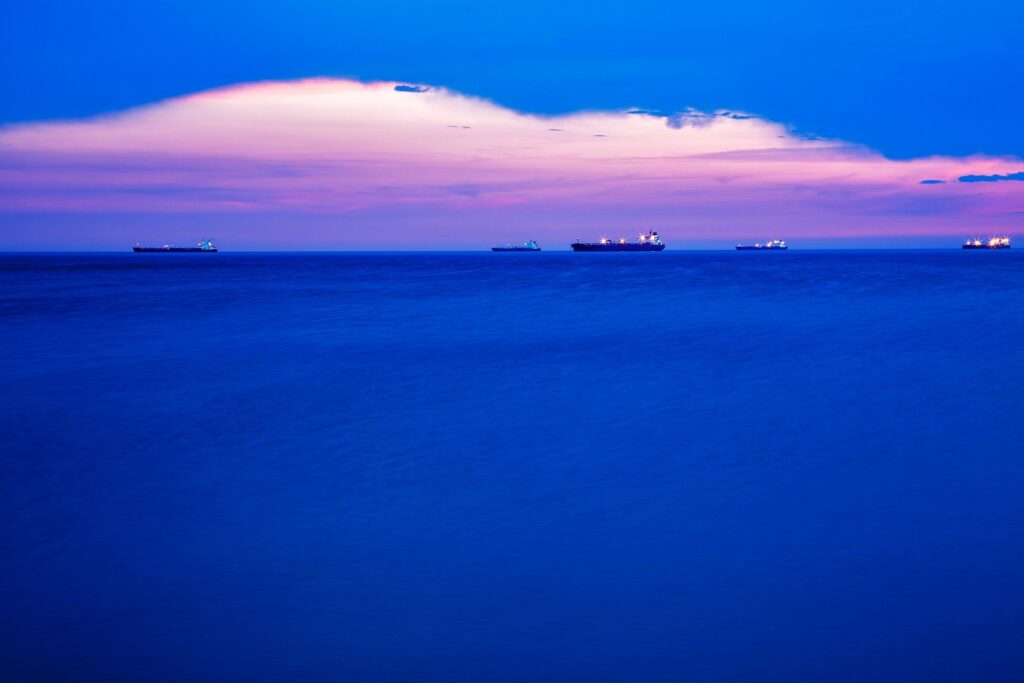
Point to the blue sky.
(908, 79)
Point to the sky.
(275, 126)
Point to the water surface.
(707, 466)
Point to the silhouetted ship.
(648, 242)
(991, 243)
(529, 246)
(774, 245)
(204, 247)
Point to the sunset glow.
(351, 163)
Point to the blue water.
(500, 467)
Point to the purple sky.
(339, 164)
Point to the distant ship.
(206, 247)
(529, 246)
(648, 242)
(992, 243)
(774, 244)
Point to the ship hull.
(743, 247)
(614, 246)
(512, 249)
(173, 250)
(985, 246)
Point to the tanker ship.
(773, 244)
(529, 246)
(992, 243)
(648, 242)
(204, 247)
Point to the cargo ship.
(204, 247)
(773, 245)
(991, 243)
(529, 246)
(648, 242)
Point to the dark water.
(497, 467)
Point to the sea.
(469, 467)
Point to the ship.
(529, 246)
(648, 242)
(773, 245)
(991, 243)
(204, 247)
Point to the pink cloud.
(382, 159)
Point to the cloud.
(686, 118)
(374, 158)
(994, 178)
(932, 181)
(691, 118)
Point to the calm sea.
(705, 466)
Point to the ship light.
(604, 240)
(642, 238)
(622, 240)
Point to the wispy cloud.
(993, 178)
